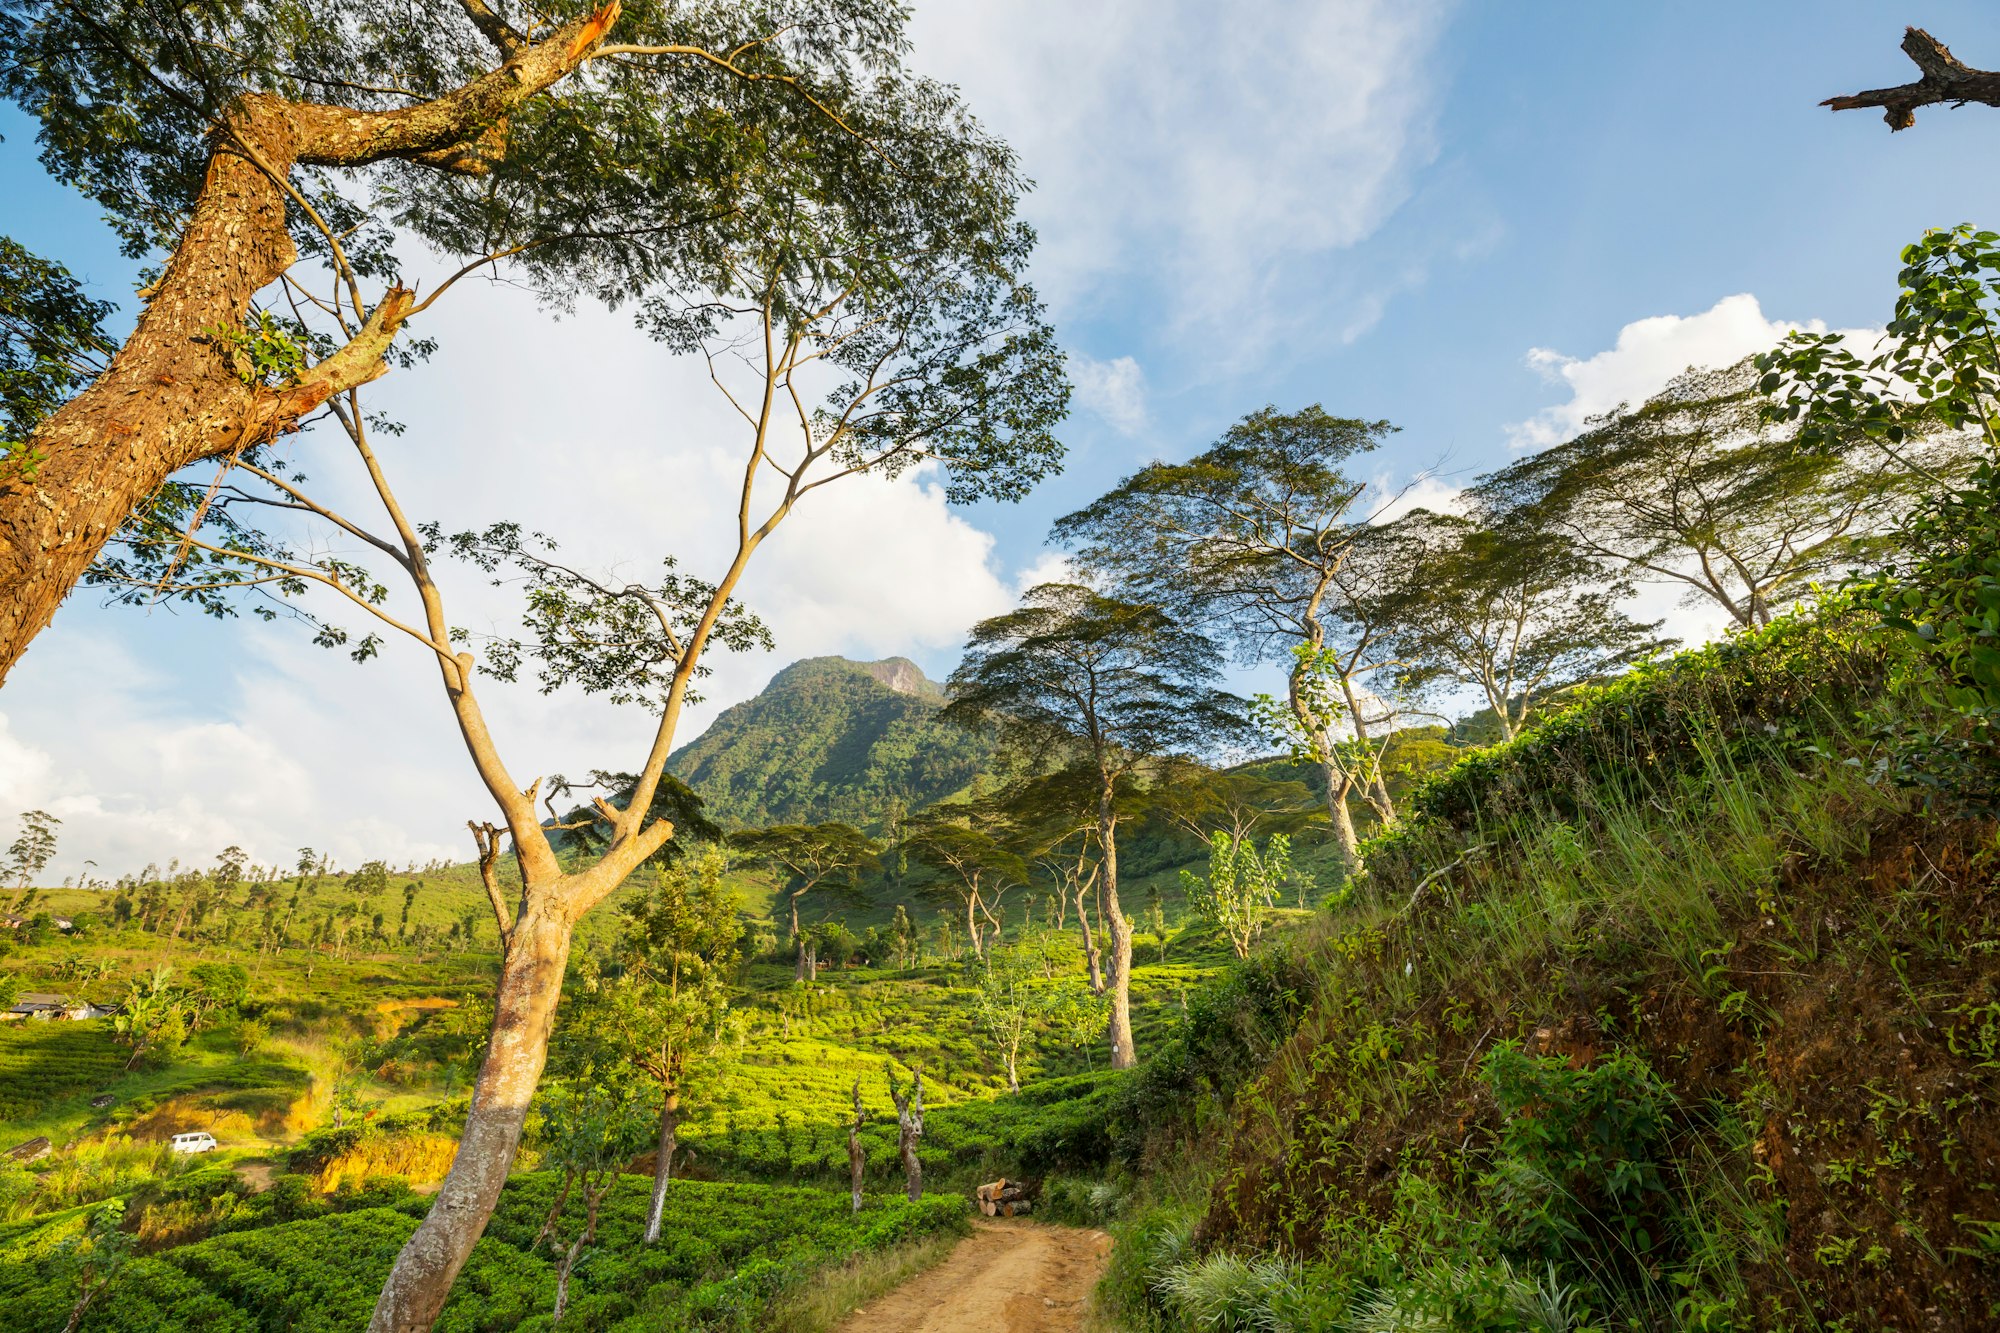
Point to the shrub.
(1470, 1297)
(1577, 1161)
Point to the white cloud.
(1214, 145)
(1049, 567)
(1647, 354)
(195, 735)
(1427, 491)
(1114, 390)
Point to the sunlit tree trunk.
(910, 1129)
(1122, 1054)
(663, 1159)
(857, 1159)
(524, 1011)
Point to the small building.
(15, 921)
(45, 1005)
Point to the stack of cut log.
(1003, 1198)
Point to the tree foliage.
(1938, 369)
(1516, 613)
(1699, 488)
(52, 342)
(1269, 540)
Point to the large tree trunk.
(524, 1010)
(171, 397)
(1120, 1032)
(663, 1160)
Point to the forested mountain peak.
(831, 738)
(897, 673)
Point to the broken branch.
(1945, 79)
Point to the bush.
(1577, 1166)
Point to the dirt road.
(1007, 1277)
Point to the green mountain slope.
(830, 739)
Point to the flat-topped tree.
(1073, 676)
(971, 867)
(864, 326)
(823, 859)
(578, 149)
(1512, 611)
(1696, 490)
(1271, 542)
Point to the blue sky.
(1479, 221)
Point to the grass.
(831, 1296)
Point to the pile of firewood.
(1003, 1198)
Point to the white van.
(199, 1141)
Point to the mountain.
(831, 739)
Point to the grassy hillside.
(830, 739)
(1677, 1013)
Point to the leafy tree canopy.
(1073, 673)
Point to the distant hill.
(830, 739)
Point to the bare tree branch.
(1945, 79)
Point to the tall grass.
(85, 1172)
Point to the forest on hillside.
(1506, 965)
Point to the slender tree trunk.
(972, 925)
(663, 1160)
(857, 1159)
(524, 1011)
(910, 1129)
(1120, 1032)
(1339, 782)
(564, 1266)
(1091, 956)
(1374, 790)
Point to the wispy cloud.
(1114, 390)
(1202, 149)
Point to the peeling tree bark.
(910, 1129)
(171, 396)
(857, 1159)
(1945, 79)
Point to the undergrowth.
(1676, 1013)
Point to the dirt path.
(1007, 1277)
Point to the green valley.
(1385, 851)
